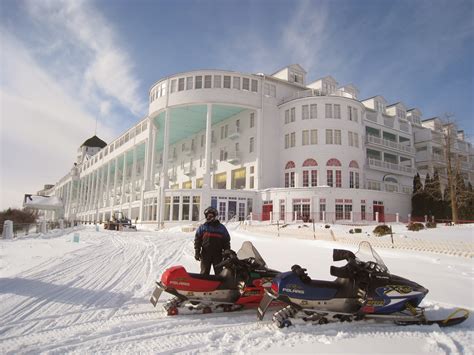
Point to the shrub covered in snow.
(381, 230)
(415, 226)
(430, 225)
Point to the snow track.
(94, 299)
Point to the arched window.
(391, 184)
(310, 174)
(290, 174)
(310, 162)
(336, 170)
(354, 164)
(354, 175)
(333, 162)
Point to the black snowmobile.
(361, 290)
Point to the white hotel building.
(266, 147)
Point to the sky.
(69, 69)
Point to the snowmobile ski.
(447, 322)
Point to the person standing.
(211, 239)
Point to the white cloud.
(81, 29)
(41, 125)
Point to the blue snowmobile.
(363, 289)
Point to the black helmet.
(211, 210)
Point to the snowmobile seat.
(207, 277)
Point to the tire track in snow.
(120, 265)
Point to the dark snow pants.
(210, 258)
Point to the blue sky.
(65, 63)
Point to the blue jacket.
(212, 237)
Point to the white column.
(206, 188)
(114, 195)
(107, 186)
(148, 155)
(124, 176)
(164, 169)
(132, 182)
(258, 145)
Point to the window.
(245, 84)
(290, 175)
(292, 114)
(207, 81)
(236, 83)
(282, 210)
(337, 136)
(251, 144)
(338, 178)
(339, 211)
(350, 139)
(287, 141)
(330, 172)
(337, 111)
(328, 111)
(270, 90)
(189, 83)
(292, 139)
(173, 85)
(252, 182)
(330, 181)
(329, 138)
(310, 174)
(355, 114)
(217, 81)
(305, 137)
(254, 85)
(314, 136)
(304, 112)
(202, 140)
(226, 82)
(198, 82)
(287, 116)
(314, 111)
(181, 84)
(252, 120)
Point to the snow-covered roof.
(43, 202)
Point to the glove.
(197, 256)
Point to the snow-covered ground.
(58, 296)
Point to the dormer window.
(380, 107)
(401, 114)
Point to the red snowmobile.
(242, 282)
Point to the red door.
(380, 210)
(266, 209)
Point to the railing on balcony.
(188, 151)
(314, 93)
(188, 170)
(234, 132)
(233, 157)
(390, 144)
(375, 163)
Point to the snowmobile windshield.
(366, 253)
(247, 250)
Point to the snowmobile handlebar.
(341, 254)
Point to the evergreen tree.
(428, 200)
(447, 213)
(434, 197)
(417, 209)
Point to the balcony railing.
(188, 170)
(389, 144)
(233, 157)
(234, 132)
(314, 93)
(379, 164)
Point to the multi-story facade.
(266, 146)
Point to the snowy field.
(57, 296)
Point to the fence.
(24, 229)
(340, 217)
(306, 231)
